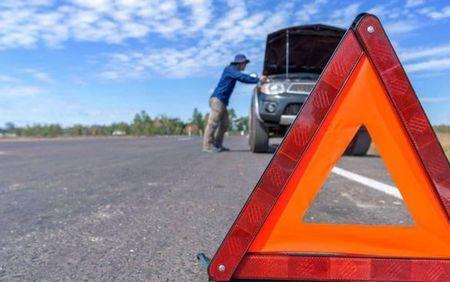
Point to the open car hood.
(310, 48)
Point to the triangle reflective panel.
(363, 84)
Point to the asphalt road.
(141, 208)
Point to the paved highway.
(141, 208)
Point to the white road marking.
(379, 186)
(184, 139)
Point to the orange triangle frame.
(365, 99)
(364, 70)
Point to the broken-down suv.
(294, 59)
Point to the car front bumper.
(287, 119)
(279, 109)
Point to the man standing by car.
(218, 117)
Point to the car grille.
(301, 88)
(292, 109)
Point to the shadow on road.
(273, 147)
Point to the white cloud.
(15, 87)
(431, 59)
(419, 53)
(241, 29)
(401, 26)
(234, 32)
(308, 10)
(344, 17)
(435, 99)
(27, 24)
(414, 3)
(432, 65)
(198, 35)
(201, 14)
(445, 13)
(378, 10)
(20, 91)
(100, 5)
(7, 78)
(39, 75)
(434, 14)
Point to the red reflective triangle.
(364, 43)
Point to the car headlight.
(273, 88)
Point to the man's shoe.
(224, 149)
(212, 150)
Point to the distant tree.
(242, 124)
(10, 126)
(145, 117)
(53, 130)
(197, 122)
(231, 118)
(137, 118)
(142, 124)
(444, 128)
(121, 126)
(77, 130)
(168, 126)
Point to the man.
(218, 102)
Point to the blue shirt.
(227, 82)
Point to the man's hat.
(240, 58)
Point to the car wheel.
(259, 137)
(360, 143)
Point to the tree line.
(443, 128)
(142, 125)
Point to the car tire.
(258, 136)
(360, 143)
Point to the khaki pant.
(217, 124)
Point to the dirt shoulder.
(444, 138)
(60, 138)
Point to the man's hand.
(262, 78)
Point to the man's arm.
(242, 77)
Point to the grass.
(444, 138)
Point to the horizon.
(130, 121)
(100, 62)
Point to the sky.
(102, 61)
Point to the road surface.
(141, 208)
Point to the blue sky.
(101, 61)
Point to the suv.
(295, 57)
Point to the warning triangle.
(364, 84)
